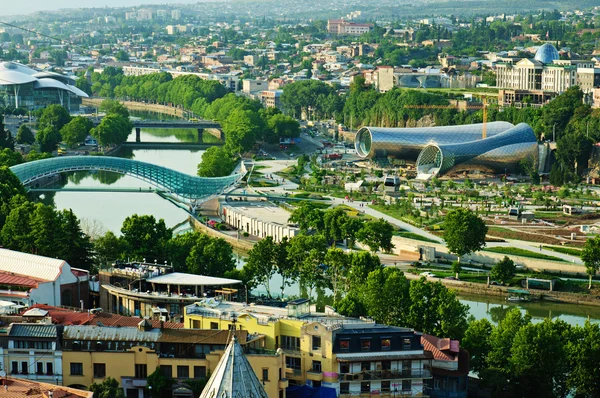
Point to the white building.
(259, 219)
(176, 14)
(35, 279)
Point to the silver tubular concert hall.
(407, 143)
(500, 153)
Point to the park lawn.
(263, 184)
(506, 233)
(412, 235)
(516, 251)
(564, 250)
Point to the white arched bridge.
(173, 182)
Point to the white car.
(428, 274)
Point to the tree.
(55, 116)
(16, 232)
(108, 248)
(113, 107)
(45, 230)
(456, 268)
(538, 360)
(286, 268)
(591, 257)
(503, 270)
(386, 296)
(307, 253)
(10, 158)
(362, 263)
(435, 309)
(377, 234)
(261, 262)
(73, 245)
(583, 351)
(158, 383)
(109, 388)
(333, 222)
(216, 162)
(477, 342)
(350, 230)
(464, 232)
(48, 138)
(10, 188)
(282, 126)
(241, 129)
(76, 130)
(337, 265)
(112, 130)
(210, 256)
(144, 237)
(25, 135)
(307, 216)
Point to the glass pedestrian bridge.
(173, 182)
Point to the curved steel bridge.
(173, 182)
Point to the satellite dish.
(2, 373)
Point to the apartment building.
(130, 354)
(32, 351)
(344, 355)
(342, 27)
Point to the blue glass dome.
(546, 54)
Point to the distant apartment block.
(174, 29)
(176, 14)
(341, 27)
(383, 78)
(271, 98)
(251, 86)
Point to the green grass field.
(515, 251)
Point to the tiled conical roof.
(233, 377)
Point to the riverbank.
(479, 289)
(138, 106)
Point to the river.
(111, 208)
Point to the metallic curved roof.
(13, 73)
(546, 53)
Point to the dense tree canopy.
(464, 232)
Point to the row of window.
(365, 344)
(141, 371)
(366, 366)
(37, 345)
(386, 386)
(39, 368)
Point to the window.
(14, 367)
(365, 366)
(141, 371)
(100, 370)
(76, 369)
(406, 385)
(365, 345)
(344, 367)
(344, 388)
(316, 366)
(293, 363)
(24, 368)
(386, 365)
(316, 343)
(183, 372)
(265, 374)
(167, 370)
(40, 368)
(49, 368)
(436, 384)
(344, 345)
(385, 386)
(365, 386)
(406, 368)
(386, 344)
(214, 326)
(406, 344)
(290, 343)
(199, 372)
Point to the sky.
(10, 7)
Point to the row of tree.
(518, 358)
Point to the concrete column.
(200, 131)
(137, 134)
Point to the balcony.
(385, 375)
(315, 375)
(382, 394)
(284, 383)
(293, 373)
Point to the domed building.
(546, 54)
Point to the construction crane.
(457, 106)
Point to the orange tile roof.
(18, 388)
(440, 348)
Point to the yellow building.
(352, 356)
(93, 353)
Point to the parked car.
(451, 278)
(496, 283)
(428, 274)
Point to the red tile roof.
(9, 278)
(64, 316)
(440, 348)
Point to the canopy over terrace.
(182, 279)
